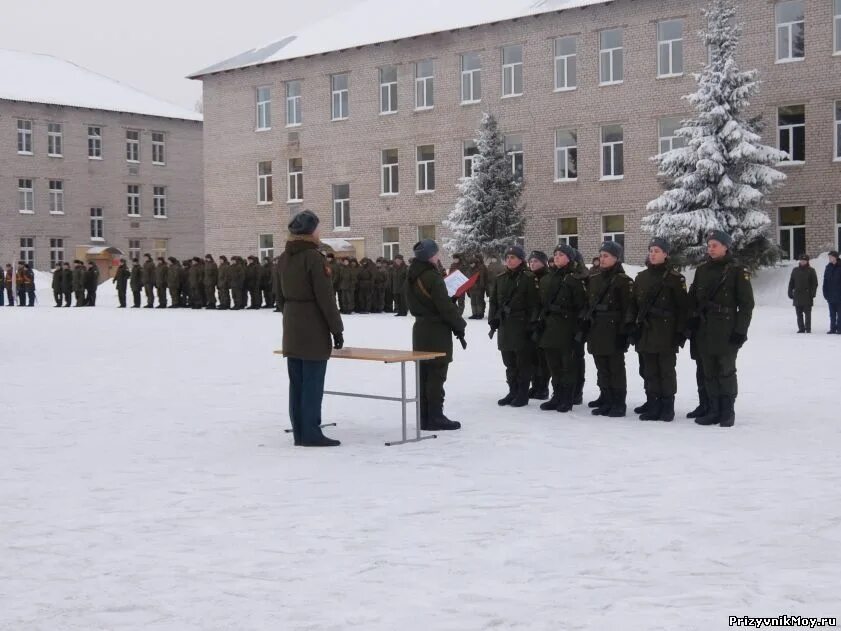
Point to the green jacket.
(659, 309)
(365, 278)
(608, 332)
(514, 308)
(161, 275)
(562, 297)
(149, 273)
(121, 277)
(803, 286)
(57, 280)
(399, 277)
(345, 278)
(136, 277)
(252, 272)
(494, 269)
(481, 285)
(173, 276)
(224, 276)
(264, 276)
(436, 317)
(727, 312)
(194, 278)
(237, 276)
(67, 280)
(78, 278)
(211, 275)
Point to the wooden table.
(389, 357)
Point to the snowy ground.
(146, 483)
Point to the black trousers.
(562, 366)
(150, 295)
(58, 297)
(660, 374)
(804, 318)
(433, 376)
(720, 374)
(541, 374)
(135, 294)
(519, 366)
(578, 352)
(121, 295)
(611, 372)
(400, 303)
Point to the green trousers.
(720, 374)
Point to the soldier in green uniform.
(608, 301)
(56, 285)
(334, 266)
(121, 281)
(380, 280)
(346, 289)
(354, 274)
(211, 279)
(721, 304)
(79, 282)
(224, 283)
(238, 282)
(194, 282)
(539, 266)
(173, 282)
(66, 283)
(264, 279)
(657, 317)
(582, 274)
(252, 286)
(436, 322)
(149, 280)
(399, 278)
(562, 298)
(477, 292)
(161, 276)
(388, 306)
(184, 283)
(365, 285)
(802, 289)
(514, 312)
(136, 283)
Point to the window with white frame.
(469, 152)
(159, 201)
(341, 206)
(266, 247)
(134, 249)
(471, 78)
(97, 228)
(512, 70)
(426, 168)
(566, 63)
(390, 171)
(56, 197)
(670, 48)
(836, 21)
(341, 96)
(265, 194)
(26, 196)
(613, 152)
(791, 31)
(293, 103)
(514, 151)
(424, 85)
(838, 130)
(132, 146)
(95, 143)
(792, 231)
(837, 226)
(158, 148)
(613, 229)
(56, 252)
(133, 200)
(426, 232)
(791, 125)
(27, 250)
(55, 140)
(391, 242)
(388, 90)
(567, 229)
(296, 180)
(667, 134)
(25, 137)
(611, 57)
(566, 155)
(264, 108)
(159, 249)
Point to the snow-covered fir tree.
(488, 216)
(721, 178)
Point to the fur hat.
(660, 242)
(568, 250)
(516, 250)
(425, 250)
(540, 256)
(305, 222)
(722, 237)
(613, 248)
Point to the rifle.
(702, 312)
(642, 314)
(587, 319)
(505, 309)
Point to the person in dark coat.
(79, 282)
(437, 320)
(380, 280)
(224, 284)
(136, 283)
(8, 278)
(211, 279)
(388, 305)
(252, 282)
(582, 274)
(194, 283)
(173, 282)
(312, 327)
(365, 286)
(91, 284)
(539, 266)
(184, 296)
(57, 294)
(66, 283)
(161, 275)
(148, 281)
(121, 278)
(238, 282)
(265, 281)
(399, 278)
(22, 284)
(276, 281)
(832, 291)
(802, 289)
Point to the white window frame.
(421, 236)
(515, 155)
(789, 131)
(97, 224)
(837, 128)
(670, 44)
(293, 104)
(613, 146)
(25, 138)
(789, 28)
(836, 28)
(792, 256)
(265, 252)
(158, 148)
(510, 72)
(27, 250)
(132, 146)
(341, 209)
(562, 157)
(390, 174)
(612, 53)
(391, 248)
(388, 93)
(612, 236)
(669, 143)
(473, 79)
(133, 200)
(564, 238)
(265, 183)
(426, 167)
(56, 252)
(134, 249)
(159, 248)
(264, 108)
(340, 98)
(55, 140)
(565, 60)
(424, 87)
(94, 142)
(159, 202)
(837, 226)
(468, 162)
(26, 196)
(295, 180)
(56, 197)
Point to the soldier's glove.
(494, 324)
(338, 341)
(460, 337)
(738, 339)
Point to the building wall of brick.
(348, 152)
(100, 183)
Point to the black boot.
(552, 404)
(578, 398)
(728, 414)
(702, 408)
(565, 403)
(508, 398)
(655, 409)
(521, 395)
(539, 390)
(617, 406)
(713, 415)
(437, 422)
(642, 409)
(323, 441)
(598, 402)
(602, 408)
(667, 409)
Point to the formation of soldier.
(18, 283)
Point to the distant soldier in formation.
(121, 278)
(832, 291)
(136, 283)
(91, 284)
(388, 303)
(8, 278)
(802, 289)
(173, 282)
(25, 282)
(265, 281)
(238, 282)
(224, 283)
(582, 274)
(380, 280)
(195, 282)
(347, 288)
(399, 278)
(479, 288)
(161, 276)
(184, 297)
(276, 282)
(79, 282)
(57, 293)
(252, 285)
(211, 279)
(539, 265)
(148, 281)
(66, 283)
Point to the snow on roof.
(376, 21)
(36, 78)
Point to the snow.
(147, 484)
(376, 21)
(36, 78)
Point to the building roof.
(377, 21)
(36, 78)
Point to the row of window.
(55, 142)
(790, 46)
(56, 190)
(57, 248)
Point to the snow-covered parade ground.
(146, 483)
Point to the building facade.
(375, 138)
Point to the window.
(667, 130)
(613, 229)
(341, 96)
(293, 103)
(56, 252)
(670, 48)
(793, 232)
(264, 183)
(424, 85)
(27, 250)
(426, 169)
(159, 201)
(95, 143)
(514, 151)
(132, 146)
(791, 38)
(838, 130)
(426, 232)
(158, 148)
(97, 233)
(512, 70)
(26, 196)
(159, 249)
(391, 242)
(264, 108)
(838, 226)
(133, 200)
(611, 57)
(296, 180)
(469, 151)
(471, 78)
(56, 197)
(341, 206)
(134, 249)
(391, 175)
(567, 228)
(55, 140)
(566, 155)
(791, 125)
(566, 63)
(613, 158)
(837, 26)
(25, 137)
(388, 90)
(266, 247)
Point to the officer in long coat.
(399, 278)
(802, 289)
(136, 283)
(66, 283)
(121, 278)
(211, 279)
(79, 282)
(161, 276)
(224, 284)
(252, 284)
(173, 282)
(149, 280)
(539, 266)
(380, 280)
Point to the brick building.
(367, 117)
(89, 165)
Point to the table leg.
(417, 399)
(403, 395)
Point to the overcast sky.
(153, 44)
